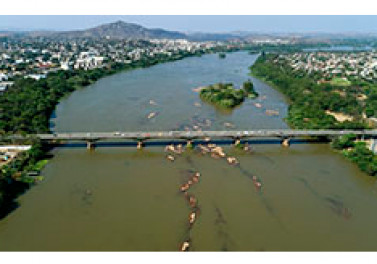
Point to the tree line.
(309, 101)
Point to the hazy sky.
(200, 23)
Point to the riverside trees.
(309, 102)
(224, 95)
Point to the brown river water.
(117, 198)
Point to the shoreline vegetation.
(28, 106)
(319, 106)
(224, 95)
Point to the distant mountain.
(124, 30)
(120, 30)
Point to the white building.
(3, 77)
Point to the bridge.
(190, 136)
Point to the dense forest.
(357, 152)
(309, 101)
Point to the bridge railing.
(280, 133)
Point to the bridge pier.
(90, 145)
(140, 144)
(189, 144)
(237, 143)
(285, 142)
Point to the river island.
(225, 95)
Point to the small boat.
(218, 151)
(257, 184)
(204, 149)
(169, 148)
(192, 218)
(211, 146)
(185, 246)
(258, 105)
(184, 187)
(151, 115)
(228, 125)
(170, 157)
(192, 201)
(232, 160)
(272, 112)
(151, 102)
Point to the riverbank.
(311, 107)
(20, 174)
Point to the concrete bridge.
(189, 136)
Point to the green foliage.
(369, 112)
(225, 95)
(13, 176)
(371, 102)
(40, 165)
(340, 82)
(344, 142)
(309, 100)
(363, 157)
(248, 87)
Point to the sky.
(212, 23)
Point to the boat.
(151, 115)
(185, 246)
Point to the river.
(117, 198)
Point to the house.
(36, 76)
(3, 77)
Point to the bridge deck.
(280, 133)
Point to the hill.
(121, 30)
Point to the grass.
(40, 165)
(340, 82)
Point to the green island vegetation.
(224, 95)
(310, 103)
(27, 107)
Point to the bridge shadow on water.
(162, 143)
